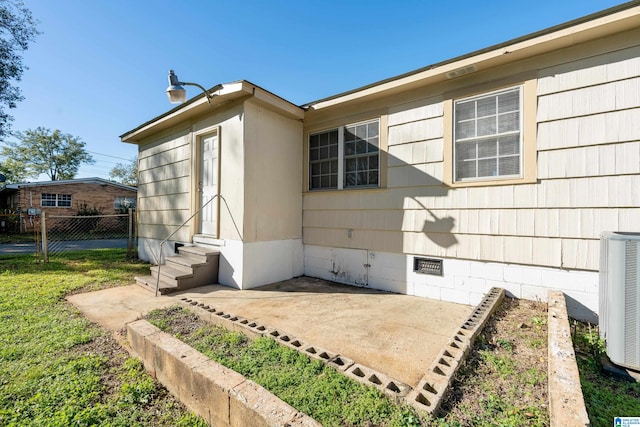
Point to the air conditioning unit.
(619, 306)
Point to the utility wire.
(108, 155)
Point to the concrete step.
(205, 240)
(193, 266)
(149, 283)
(177, 276)
(204, 254)
(172, 271)
(204, 273)
(185, 260)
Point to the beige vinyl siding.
(229, 125)
(272, 175)
(588, 177)
(163, 193)
(589, 152)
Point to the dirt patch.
(162, 409)
(504, 379)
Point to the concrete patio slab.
(113, 308)
(398, 335)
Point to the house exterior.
(498, 168)
(67, 197)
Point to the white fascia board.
(280, 104)
(228, 92)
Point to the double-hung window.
(55, 200)
(488, 136)
(345, 157)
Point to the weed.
(539, 321)
(140, 392)
(536, 343)
(504, 365)
(534, 376)
(505, 344)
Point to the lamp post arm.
(207, 94)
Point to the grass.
(309, 386)
(56, 368)
(605, 396)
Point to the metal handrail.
(159, 257)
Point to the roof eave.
(94, 180)
(199, 105)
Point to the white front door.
(208, 185)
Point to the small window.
(49, 200)
(64, 200)
(56, 200)
(487, 136)
(345, 157)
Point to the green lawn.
(58, 369)
(605, 397)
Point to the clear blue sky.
(99, 68)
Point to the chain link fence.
(47, 236)
(74, 233)
(19, 233)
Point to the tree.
(17, 31)
(125, 173)
(41, 151)
(12, 171)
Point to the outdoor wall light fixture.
(177, 94)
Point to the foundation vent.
(427, 266)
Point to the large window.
(345, 157)
(56, 200)
(487, 136)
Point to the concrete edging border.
(221, 396)
(566, 401)
(432, 389)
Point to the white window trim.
(520, 136)
(341, 159)
(57, 200)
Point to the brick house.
(69, 196)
